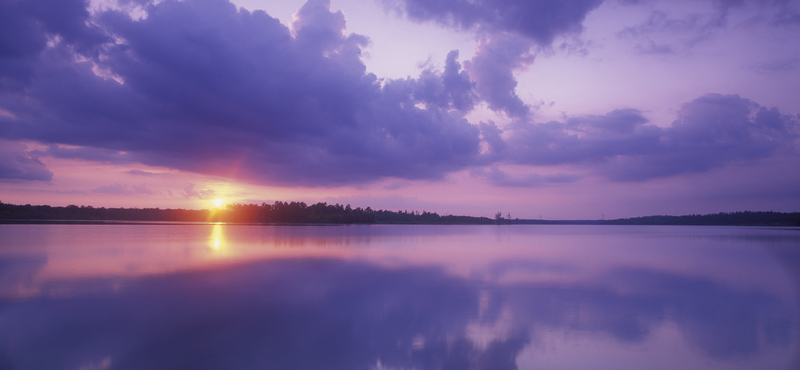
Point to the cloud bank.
(711, 131)
(202, 86)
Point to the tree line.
(323, 213)
(278, 212)
(745, 218)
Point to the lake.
(215, 296)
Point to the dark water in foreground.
(91, 297)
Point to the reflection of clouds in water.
(17, 274)
(327, 313)
(720, 321)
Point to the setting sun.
(218, 202)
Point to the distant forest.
(745, 218)
(278, 212)
(734, 218)
(323, 213)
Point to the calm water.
(90, 297)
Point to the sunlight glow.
(217, 237)
(218, 202)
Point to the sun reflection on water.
(217, 238)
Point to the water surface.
(216, 296)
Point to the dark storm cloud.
(710, 132)
(204, 87)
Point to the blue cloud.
(711, 131)
(204, 87)
(540, 20)
(19, 164)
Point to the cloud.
(778, 13)
(584, 139)
(204, 87)
(787, 17)
(142, 189)
(541, 20)
(87, 154)
(451, 89)
(207, 88)
(698, 25)
(491, 134)
(711, 131)
(509, 30)
(24, 30)
(189, 192)
(667, 33)
(121, 189)
(779, 65)
(651, 47)
(116, 188)
(19, 164)
(150, 174)
(497, 57)
(498, 177)
(661, 34)
(141, 173)
(660, 22)
(48, 191)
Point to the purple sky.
(556, 109)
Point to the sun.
(218, 202)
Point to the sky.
(581, 109)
